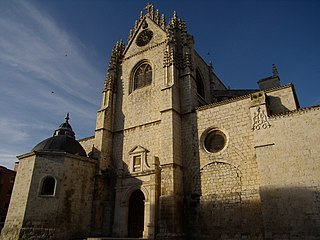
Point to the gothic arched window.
(48, 186)
(142, 76)
(200, 87)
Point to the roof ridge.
(241, 97)
(296, 111)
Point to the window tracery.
(142, 76)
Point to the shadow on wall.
(213, 196)
(287, 213)
(292, 212)
(276, 106)
(104, 194)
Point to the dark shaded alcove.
(136, 214)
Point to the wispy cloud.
(13, 131)
(33, 44)
(45, 72)
(17, 137)
(9, 158)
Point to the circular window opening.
(215, 141)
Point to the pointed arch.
(141, 75)
(200, 85)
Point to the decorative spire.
(163, 21)
(65, 128)
(188, 61)
(174, 15)
(149, 9)
(274, 70)
(175, 24)
(180, 44)
(211, 65)
(116, 55)
(67, 117)
(151, 13)
(157, 17)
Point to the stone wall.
(88, 145)
(149, 118)
(64, 215)
(18, 203)
(76, 196)
(264, 184)
(142, 105)
(226, 199)
(146, 136)
(289, 167)
(282, 99)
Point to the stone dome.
(63, 140)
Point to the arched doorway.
(136, 214)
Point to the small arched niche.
(48, 186)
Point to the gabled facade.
(154, 82)
(177, 155)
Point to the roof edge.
(289, 85)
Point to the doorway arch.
(136, 214)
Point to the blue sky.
(54, 55)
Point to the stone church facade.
(175, 155)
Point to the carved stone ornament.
(260, 120)
(139, 160)
(144, 37)
(151, 13)
(168, 57)
(116, 55)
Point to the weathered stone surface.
(262, 182)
